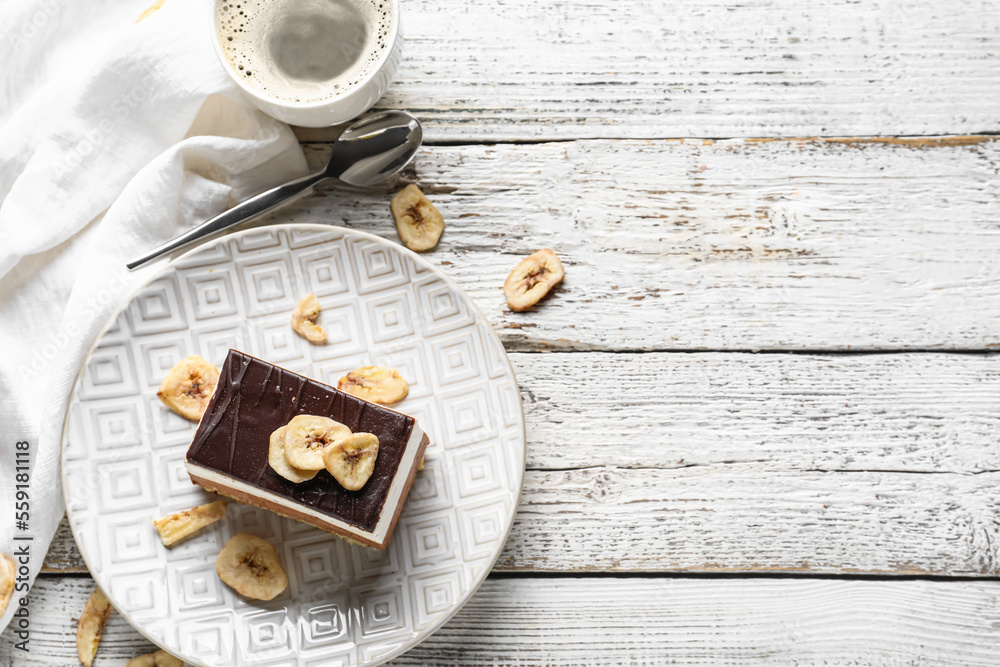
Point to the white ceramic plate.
(345, 605)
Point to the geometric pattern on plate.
(345, 605)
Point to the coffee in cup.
(310, 62)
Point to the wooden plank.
(746, 518)
(642, 621)
(721, 622)
(54, 610)
(522, 69)
(742, 462)
(684, 245)
(909, 413)
(63, 557)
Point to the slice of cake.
(253, 399)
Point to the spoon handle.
(250, 208)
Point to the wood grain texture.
(907, 413)
(641, 622)
(63, 557)
(646, 622)
(684, 245)
(746, 518)
(741, 462)
(529, 69)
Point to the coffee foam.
(304, 51)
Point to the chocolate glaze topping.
(254, 398)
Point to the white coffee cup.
(311, 101)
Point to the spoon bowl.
(397, 135)
(369, 151)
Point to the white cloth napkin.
(115, 136)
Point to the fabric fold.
(146, 139)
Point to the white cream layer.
(392, 499)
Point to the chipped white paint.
(749, 517)
(726, 245)
(907, 413)
(743, 462)
(645, 623)
(528, 69)
(642, 622)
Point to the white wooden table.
(763, 411)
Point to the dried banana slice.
(418, 223)
(175, 527)
(279, 462)
(304, 319)
(159, 659)
(8, 575)
(378, 384)
(352, 460)
(306, 438)
(88, 631)
(532, 279)
(188, 387)
(250, 566)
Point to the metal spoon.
(370, 150)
